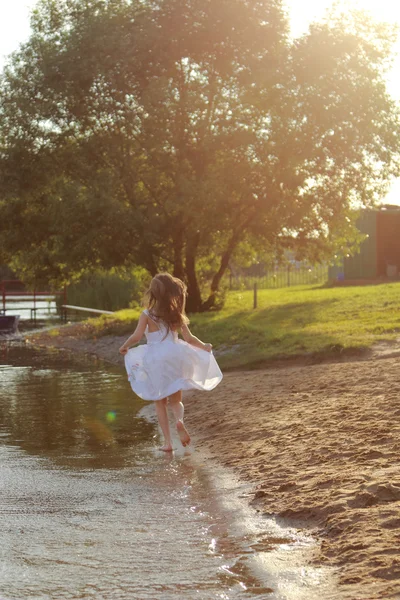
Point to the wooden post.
(34, 305)
(64, 310)
(255, 296)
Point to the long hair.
(166, 299)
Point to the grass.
(289, 322)
(303, 320)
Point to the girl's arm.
(193, 340)
(136, 335)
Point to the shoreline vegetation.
(302, 323)
(319, 422)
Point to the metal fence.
(280, 277)
(14, 298)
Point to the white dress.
(167, 364)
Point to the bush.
(107, 290)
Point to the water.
(90, 509)
(45, 309)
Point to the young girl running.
(166, 365)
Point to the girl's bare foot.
(183, 434)
(166, 448)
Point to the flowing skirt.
(160, 369)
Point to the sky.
(14, 29)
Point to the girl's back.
(157, 331)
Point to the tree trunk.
(210, 302)
(193, 303)
(179, 270)
(150, 263)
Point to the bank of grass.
(290, 322)
(303, 320)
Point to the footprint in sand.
(376, 493)
(385, 492)
(391, 524)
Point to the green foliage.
(106, 291)
(173, 134)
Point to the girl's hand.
(123, 350)
(208, 347)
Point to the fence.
(15, 298)
(280, 277)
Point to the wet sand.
(320, 444)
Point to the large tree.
(168, 133)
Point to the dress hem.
(182, 385)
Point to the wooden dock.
(13, 291)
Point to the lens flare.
(111, 416)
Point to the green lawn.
(292, 321)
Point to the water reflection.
(44, 309)
(52, 405)
(89, 508)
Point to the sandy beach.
(320, 445)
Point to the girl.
(166, 365)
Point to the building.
(379, 254)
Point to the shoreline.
(318, 445)
(277, 553)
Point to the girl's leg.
(162, 416)
(176, 404)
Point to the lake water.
(45, 309)
(90, 509)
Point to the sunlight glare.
(302, 13)
(14, 25)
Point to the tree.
(166, 133)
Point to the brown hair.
(166, 299)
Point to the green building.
(379, 254)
